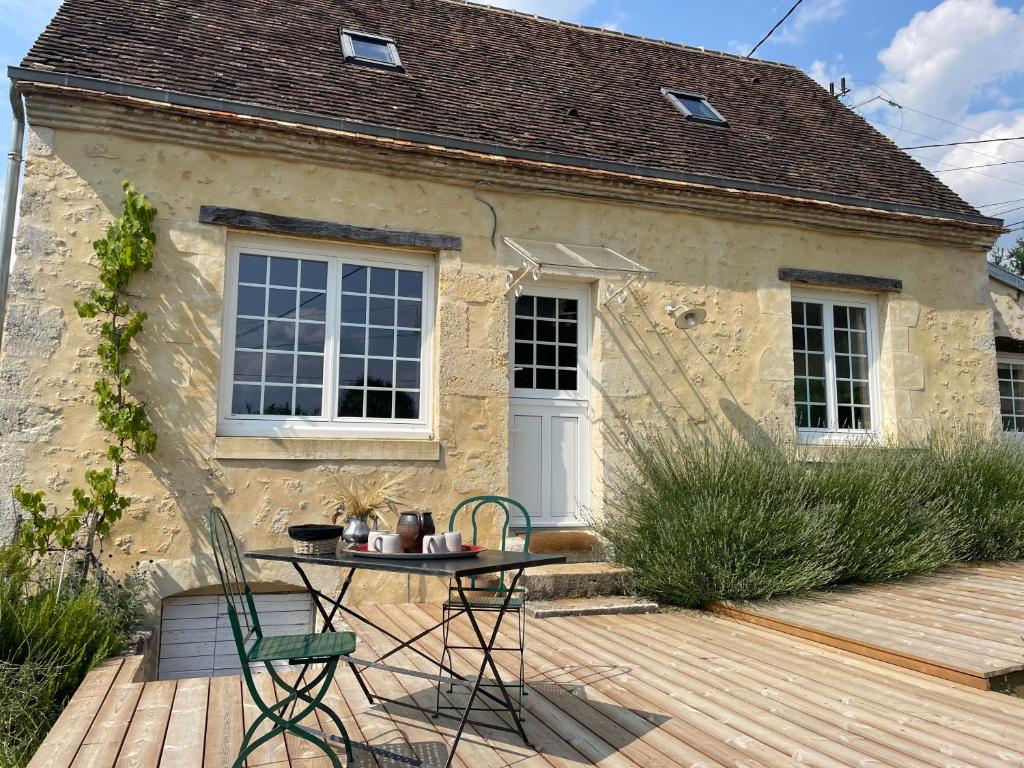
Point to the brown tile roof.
(496, 77)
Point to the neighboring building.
(1007, 290)
(341, 214)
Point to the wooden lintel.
(1009, 344)
(256, 221)
(840, 280)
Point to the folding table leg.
(329, 619)
(487, 647)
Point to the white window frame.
(584, 330)
(1007, 358)
(833, 434)
(348, 49)
(327, 425)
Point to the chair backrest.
(505, 505)
(245, 623)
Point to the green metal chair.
(489, 596)
(254, 648)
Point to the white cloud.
(739, 47)
(824, 73)
(567, 10)
(944, 58)
(811, 12)
(615, 19)
(953, 62)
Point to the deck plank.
(962, 623)
(131, 670)
(844, 678)
(814, 702)
(64, 740)
(145, 738)
(102, 743)
(681, 689)
(610, 741)
(300, 751)
(224, 728)
(478, 740)
(185, 739)
(274, 751)
(565, 683)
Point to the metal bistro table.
(458, 571)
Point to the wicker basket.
(322, 547)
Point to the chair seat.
(303, 647)
(486, 602)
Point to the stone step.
(576, 580)
(575, 546)
(590, 606)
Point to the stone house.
(1007, 291)
(438, 239)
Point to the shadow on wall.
(677, 407)
(177, 349)
(745, 426)
(177, 362)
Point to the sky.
(923, 71)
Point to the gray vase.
(356, 532)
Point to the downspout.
(11, 185)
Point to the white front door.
(549, 405)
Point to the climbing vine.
(126, 250)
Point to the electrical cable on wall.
(494, 212)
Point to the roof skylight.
(374, 50)
(694, 106)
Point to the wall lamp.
(686, 317)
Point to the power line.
(961, 143)
(891, 100)
(926, 136)
(962, 127)
(1019, 226)
(1002, 202)
(983, 165)
(772, 30)
(942, 162)
(1003, 213)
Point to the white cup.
(453, 541)
(371, 541)
(385, 543)
(434, 545)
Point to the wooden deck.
(655, 691)
(963, 623)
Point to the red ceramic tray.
(468, 550)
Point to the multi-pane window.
(333, 340)
(832, 366)
(1011, 395)
(546, 344)
(810, 382)
(279, 336)
(381, 339)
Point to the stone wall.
(733, 372)
(1008, 310)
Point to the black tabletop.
(489, 561)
